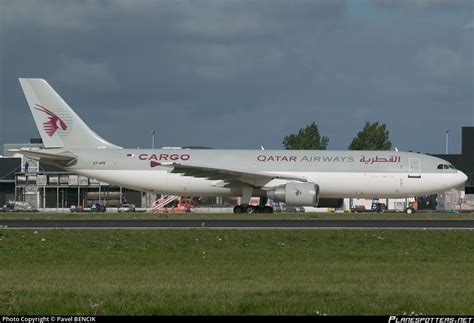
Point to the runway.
(239, 224)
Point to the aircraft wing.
(256, 179)
(62, 159)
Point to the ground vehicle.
(378, 207)
(19, 206)
(77, 208)
(375, 207)
(127, 208)
(412, 206)
(96, 207)
(280, 207)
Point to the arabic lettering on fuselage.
(377, 159)
(328, 159)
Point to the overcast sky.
(241, 74)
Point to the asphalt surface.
(237, 224)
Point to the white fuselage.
(69, 143)
(332, 185)
(339, 174)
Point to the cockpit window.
(445, 166)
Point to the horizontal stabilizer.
(62, 159)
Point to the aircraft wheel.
(251, 209)
(238, 209)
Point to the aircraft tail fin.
(57, 123)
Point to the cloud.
(236, 18)
(469, 25)
(221, 62)
(220, 19)
(425, 5)
(255, 70)
(50, 14)
(440, 62)
(205, 18)
(87, 75)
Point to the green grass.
(208, 216)
(236, 272)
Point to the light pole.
(447, 139)
(153, 139)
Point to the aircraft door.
(414, 168)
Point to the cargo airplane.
(296, 177)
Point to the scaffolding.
(62, 190)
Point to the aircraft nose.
(462, 177)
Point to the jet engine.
(296, 194)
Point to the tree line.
(373, 136)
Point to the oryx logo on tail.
(53, 123)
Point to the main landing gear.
(250, 209)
